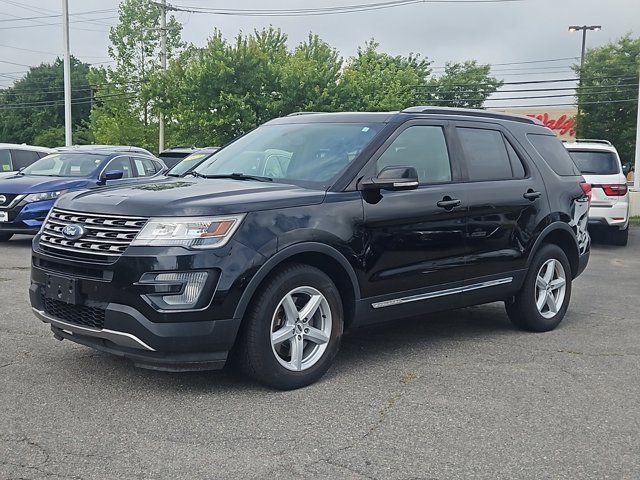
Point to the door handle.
(531, 195)
(448, 203)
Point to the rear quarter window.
(554, 153)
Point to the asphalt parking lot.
(457, 395)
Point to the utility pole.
(163, 64)
(68, 139)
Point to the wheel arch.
(319, 255)
(561, 234)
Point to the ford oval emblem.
(73, 231)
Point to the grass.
(635, 221)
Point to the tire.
(618, 237)
(269, 358)
(5, 237)
(523, 310)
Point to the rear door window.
(145, 167)
(554, 153)
(596, 162)
(486, 154)
(5, 161)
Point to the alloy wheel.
(551, 286)
(301, 328)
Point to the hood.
(20, 184)
(171, 197)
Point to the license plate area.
(63, 289)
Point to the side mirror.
(626, 167)
(393, 178)
(111, 175)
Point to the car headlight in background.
(193, 232)
(39, 197)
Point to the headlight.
(38, 197)
(194, 232)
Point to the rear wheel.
(617, 236)
(544, 298)
(5, 237)
(293, 329)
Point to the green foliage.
(464, 85)
(126, 111)
(606, 77)
(26, 106)
(377, 81)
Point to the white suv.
(600, 165)
(14, 157)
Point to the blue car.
(27, 196)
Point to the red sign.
(563, 124)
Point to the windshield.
(596, 162)
(189, 163)
(65, 165)
(309, 153)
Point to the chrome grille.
(106, 236)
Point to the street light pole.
(584, 28)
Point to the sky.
(495, 33)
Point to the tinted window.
(554, 153)
(5, 161)
(516, 163)
(423, 147)
(65, 165)
(145, 166)
(600, 163)
(486, 154)
(121, 163)
(23, 158)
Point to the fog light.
(193, 285)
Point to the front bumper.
(122, 320)
(26, 218)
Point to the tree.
(309, 77)
(608, 80)
(125, 112)
(465, 85)
(35, 103)
(377, 81)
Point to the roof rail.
(593, 140)
(469, 112)
(295, 114)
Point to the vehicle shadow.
(388, 342)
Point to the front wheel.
(292, 329)
(544, 297)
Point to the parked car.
(190, 162)
(27, 196)
(14, 156)
(377, 216)
(600, 165)
(172, 156)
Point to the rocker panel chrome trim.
(442, 293)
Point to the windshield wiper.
(239, 176)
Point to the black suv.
(312, 224)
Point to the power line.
(90, 12)
(366, 7)
(57, 23)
